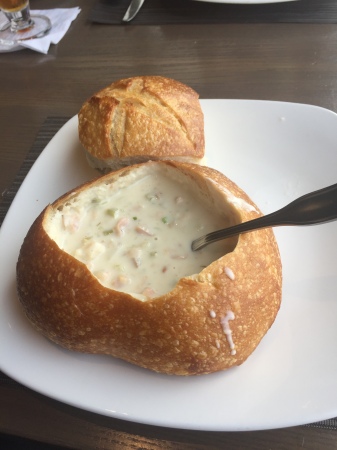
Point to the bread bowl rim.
(172, 300)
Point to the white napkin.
(61, 19)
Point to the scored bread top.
(150, 116)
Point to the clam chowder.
(135, 234)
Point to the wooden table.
(286, 62)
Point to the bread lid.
(145, 117)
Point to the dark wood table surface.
(287, 62)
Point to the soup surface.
(135, 234)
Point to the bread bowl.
(205, 320)
(142, 118)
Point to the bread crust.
(181, 332)
(148, 117)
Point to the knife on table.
(132, 10)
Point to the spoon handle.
(310, 209)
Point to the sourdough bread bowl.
(207, 316)
(142, 118)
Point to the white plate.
(246, 2)
(276, 152)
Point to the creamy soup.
(135, 234)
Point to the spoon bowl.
(310, 209)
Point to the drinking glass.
(21, 24)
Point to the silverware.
(310, 209)
(132, 10)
